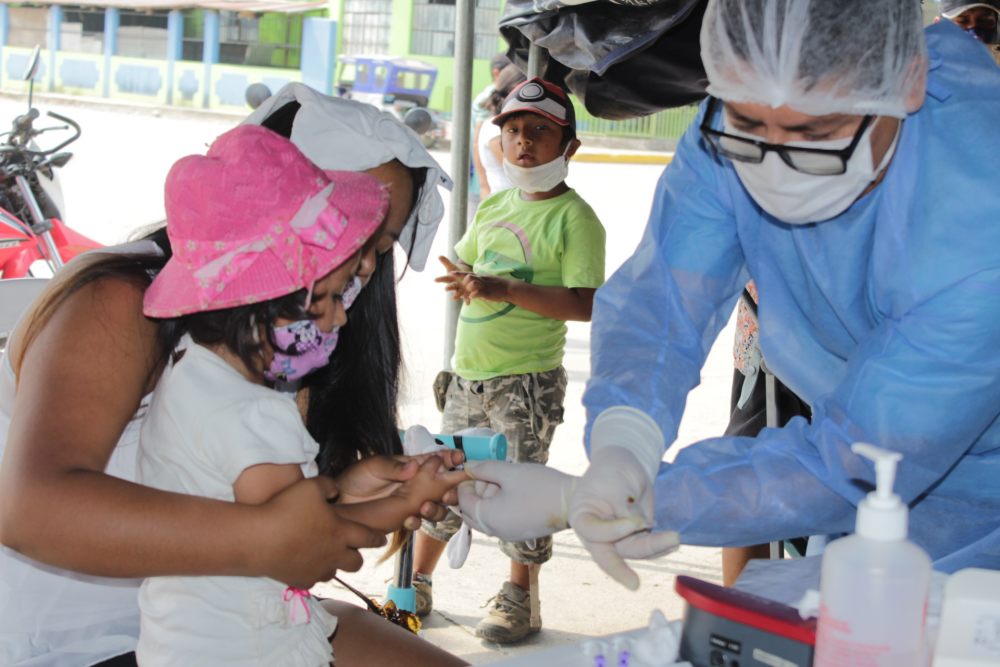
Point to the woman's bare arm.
(80, 384)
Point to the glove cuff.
(633, 430)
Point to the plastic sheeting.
(621, 59)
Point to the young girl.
(265, 246)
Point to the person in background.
(978, 19)
(532, 260)
(487, 147)
(482, 111)
(748, 414)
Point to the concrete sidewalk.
(621, 155)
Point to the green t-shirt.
(557, 242)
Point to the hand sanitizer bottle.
(874, 583)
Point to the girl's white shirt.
(207, 424)
(51, 617)
(495, 175)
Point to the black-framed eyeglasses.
(813, 161)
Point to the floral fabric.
(746, 333)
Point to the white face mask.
(542, 178)
(798, 198)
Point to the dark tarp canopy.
(621, 58)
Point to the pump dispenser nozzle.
(882, 514)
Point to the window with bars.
(262, 40)
(28, 26)
(82, 30)
(434, 28)
(143, 34)
(366, 27)
(192, 35)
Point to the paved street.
(114, 187)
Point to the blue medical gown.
(885, 319)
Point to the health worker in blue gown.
(847, 162)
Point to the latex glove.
(614, 505)
(659, 646)
(515, 501)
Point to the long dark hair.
(510, 77)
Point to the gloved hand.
(515, 501)
(614, 505)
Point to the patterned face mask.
(303, 347)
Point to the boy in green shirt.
(532, 259)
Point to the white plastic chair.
(16, 294)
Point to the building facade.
(203, 54)
(421, 29)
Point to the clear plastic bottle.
(874, 583)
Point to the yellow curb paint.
(620, 158)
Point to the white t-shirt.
(51, 617)
(207, 424)
(495, 176)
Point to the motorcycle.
(31, 202)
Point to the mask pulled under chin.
(797, 198)
(542, 178)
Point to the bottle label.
(836, 645)
(986, 635)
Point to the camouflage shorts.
(525, 408)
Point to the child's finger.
(452, 477)
(444, 279)
(431, 465)
(448, 264)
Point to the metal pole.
(402, 576)
(535, 59)
(461, 138)
(771, 413)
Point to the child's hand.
(484, 286)
(431, 483)
(451, 282)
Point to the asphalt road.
(113, 188)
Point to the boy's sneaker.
(509, 619)
(425, 596)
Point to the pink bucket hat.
(254, 220)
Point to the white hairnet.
(953, 8)
(816, 56)
(345, 135)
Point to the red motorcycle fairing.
(71, 243)
(19, 246)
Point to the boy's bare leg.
(427, 552)
(519, 575)
(364, 639)
(734, 559)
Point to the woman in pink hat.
(79, 534)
